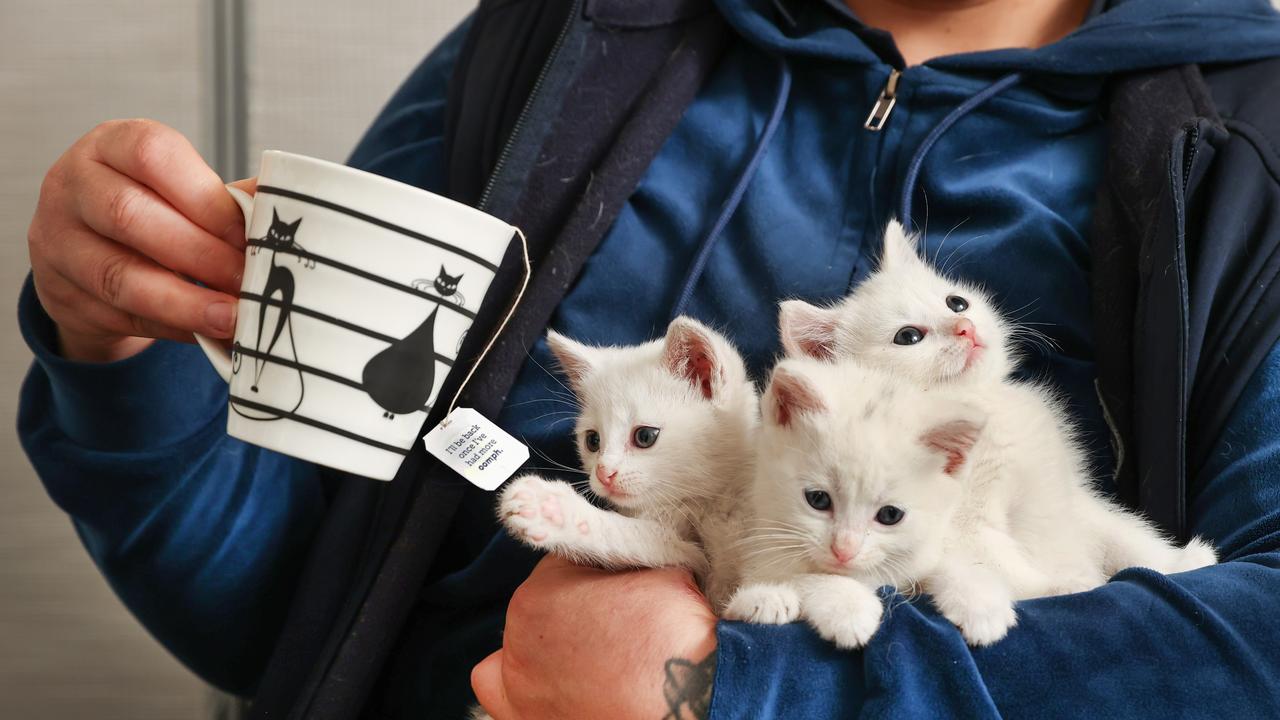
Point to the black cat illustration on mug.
(281, 238)
(400, 379)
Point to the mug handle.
(218, 354)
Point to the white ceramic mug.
(357, 293)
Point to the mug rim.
(389, 184)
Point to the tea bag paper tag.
(475, 448)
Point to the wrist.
(99, 349)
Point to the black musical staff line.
(339, 322)
(253, 405)
(320, 202)
(335, 264)
(294, 365)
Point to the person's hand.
(123, 214)
(587, 643)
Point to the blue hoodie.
(770, 187)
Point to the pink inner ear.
(955, 459)
(792, 397)
(819, 348)
(954, 440)
(808, 331)
(698, 369)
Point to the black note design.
(281, 238)
(400, 378)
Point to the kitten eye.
(957, 303)
(890, 515)
(909, 335)
(645, 436)
(818, 499)
(592, 440)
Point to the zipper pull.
(884, 104)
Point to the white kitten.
(665, 435)
(1045, 530)
(906, 317)
(865, 478)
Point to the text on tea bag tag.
(475, 448)
(468, 442)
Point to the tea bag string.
(524, 283)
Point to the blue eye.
(818, 499)
(645, 436)
(957, 303)
(890, 515)
(909, 335)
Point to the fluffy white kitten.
(665, 435)
(910, 319)
(866, 478)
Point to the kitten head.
(906, 317)
(445, 283)
(663, 421)
(861, 470)
(280, 231)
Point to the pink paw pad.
(538, 535)
(523, 495)
(551, 511)
(583, 527)
(527, 512)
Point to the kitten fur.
(970, 350)
(988, 519)
(676, 501)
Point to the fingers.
(132, 214)
(486, 683)
(94, 318)
(162, 159)
(125, 280)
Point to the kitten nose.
(965, 328)
(844, 550)
(605, 477)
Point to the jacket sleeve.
(1143, 645)
(201, 536)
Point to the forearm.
(199, 534)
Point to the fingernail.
(221, 316)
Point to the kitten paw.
(842, 610)
(1197, 554)
(540, 512)
(984, 625)
(764, 604)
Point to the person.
(1012, 135)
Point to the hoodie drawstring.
(739, 189)
(917, 159)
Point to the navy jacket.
(1182, 291)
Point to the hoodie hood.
(1130, 35)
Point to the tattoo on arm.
(688, 687)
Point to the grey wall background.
(318, 70)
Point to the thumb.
(486, 683)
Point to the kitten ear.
(899, 247)
(575, 358)
(956, 436)
(275, 216)
(294, 225)
(696, 353)
(808, 330)
(789, 396)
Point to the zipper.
(1189, 154)
(521, 119)
(884, 104)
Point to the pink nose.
(605, 477)
(964, 328)
(843, 552)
